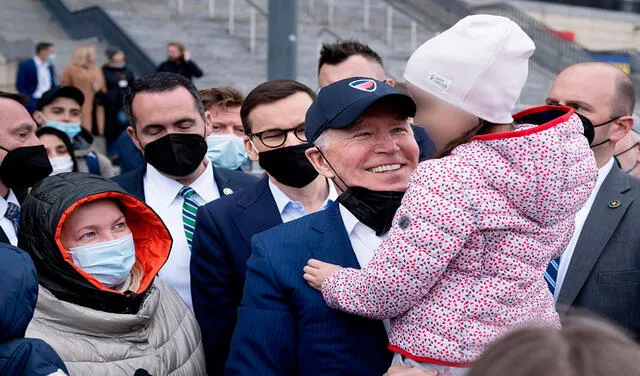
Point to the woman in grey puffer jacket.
(97, 251)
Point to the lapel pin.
(614, 204)
(227, 191)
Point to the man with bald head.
(600, 269)
(23, 162)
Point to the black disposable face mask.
(176, 154)
(375, 209)
(24, 166)
(589, 129)
(289, 165)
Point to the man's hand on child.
(316, 272)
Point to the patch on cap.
(439, 81)
(364, 85)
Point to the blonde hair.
(82, 54)
(583, 347)
(136, 277)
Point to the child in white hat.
(465, 258)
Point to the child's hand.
(317, 272)
(409, 371)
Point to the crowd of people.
(414, 228)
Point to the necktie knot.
(186, 192)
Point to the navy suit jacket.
(133, 181)
(426, 146)
(221, 248)
(27, 78)
(284, 326)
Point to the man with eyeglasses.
(600, 269)
(273, 117)
(628, 151)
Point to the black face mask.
(589, 129)
(289, 165)
(373, 208)
(24, 166)
(176, 154)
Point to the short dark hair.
(269, 92)
(43, 46)
(336, 53)
(14, 97)
(223, 97)
(625, 96)
(159, 83)
(65, 140)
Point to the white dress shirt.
(5, 223)
(581, 217)
(364, 241)
(44, 77)
(162, 195)
(291, 210)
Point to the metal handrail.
(95, 22)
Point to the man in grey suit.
(600, 269)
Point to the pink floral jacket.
(465, 258)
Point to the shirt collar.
(40, 63)
(603, 172)
(350, 220)
(282, 200)
(171, 188)
(4, 202)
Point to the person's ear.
(252, 151)
(38, 117)
(132, 134)
(208, 122)
(319, 163)
(390, 82)
(622, 127)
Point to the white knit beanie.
(479, 65)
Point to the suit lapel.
(257, 212)
(329, 241)
(600, 225)
(222, 181)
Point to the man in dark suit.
(23, 162)
(177, 177)
(600, 270)
(351, 58)
(362, 142)
(36, 75)
(272, 115)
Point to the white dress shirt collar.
(6, 224)
(205, 185)
(283, 202)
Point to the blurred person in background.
(225, 146)
(37, 75)
(628, 151)
(97, 251)
(18, 296)
(59, 150)
(583, 347)
(118, 76)
(179, 62)
(83, 74)
(62, 108)
(350, 58)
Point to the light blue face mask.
(108, 262)
(226, 151)
(70, 129)
(51, 58)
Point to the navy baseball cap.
(340, 104)
(54, 93)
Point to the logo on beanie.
(364, 85)
(439, 81)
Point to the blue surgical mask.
(51, 58)
(226, 151)
(108, 262)
(70, 129)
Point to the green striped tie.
(189, 210)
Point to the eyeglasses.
(274, 138)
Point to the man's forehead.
(13, 114)
(63, 102)
(354, 66)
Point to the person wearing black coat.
(118, 76)
(179, 62)
(18, 296)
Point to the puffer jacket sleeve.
(430, 228)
